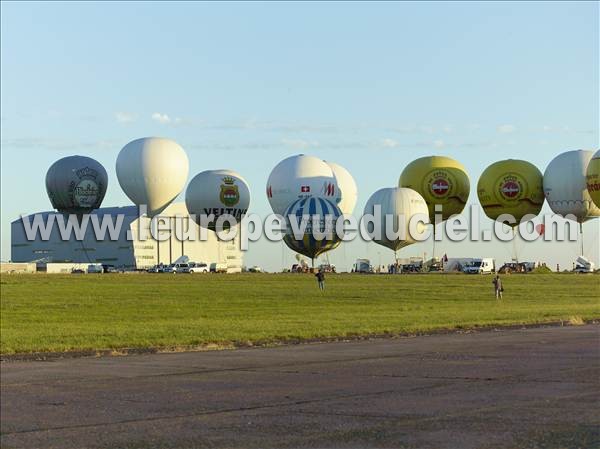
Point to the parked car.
(95, 269)
(327, 268)
(181, 267)
(168, 269)
(480, 266)
(194, 267)
(218, 268)
(109, 268)
(299, 268)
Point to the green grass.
(88, 312)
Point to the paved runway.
(499, 389)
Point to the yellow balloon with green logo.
(439, 180)
(511, 187)
(593, 178)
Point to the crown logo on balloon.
(228, 180)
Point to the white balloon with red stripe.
(300, 176)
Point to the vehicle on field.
(168, 269)
(516, 267)
(327, 268)
(77, 271)
(218, 267)
(301, 266)
(480, 266)
(195, 267)
(95, 269)
(583, 265)
(109, 268)
(435, 266)
(255, 269)
(362, 266)
(411, 268)
(181, 267)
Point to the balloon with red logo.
(299, 177)
(513, 187)
(441, 181)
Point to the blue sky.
(371, 86)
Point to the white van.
(218, 267)
(480, 266)
(95, 269)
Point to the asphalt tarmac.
(529, 388)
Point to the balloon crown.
(228, 180)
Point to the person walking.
(498, 288)
(321, 279)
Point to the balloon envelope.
(152, 171)
(347, 190)
(440, 181)
(565, 186)
(217, 192)
(76, 184)
(401, 205)
(297, 177)
(511, 187)
(314, 212)
(593, 178)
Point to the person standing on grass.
(321, 279)
(498, 289)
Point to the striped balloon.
(314, 210)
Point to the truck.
(362, 266)
(583, 265)
(480, 266)
(218, 267)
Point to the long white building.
(130, 250)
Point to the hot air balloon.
(76, 184)
(402, 204)
(315, 211)
(440, 181)
(565, 187)
(511, 187)
(593, 178)
(217, 192)
(152, 171)
(347, 190)
(299, 177)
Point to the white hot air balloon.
(347, 190)
(297, 177)
(565, 186)
(566, 190)
(152, 171)
(217, 192)
(401, 204)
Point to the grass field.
(111, 311)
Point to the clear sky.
(371, 86)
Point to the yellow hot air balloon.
(593, 178)
(439, 180)
(512, 187)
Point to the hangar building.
(129, 253)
